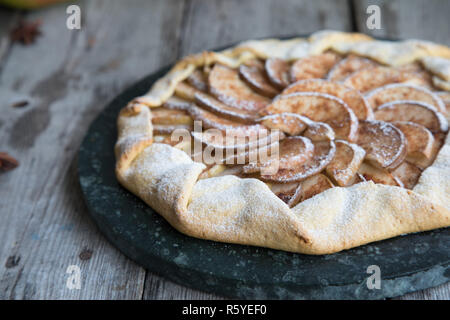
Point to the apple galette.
(306, 145)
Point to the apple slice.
(439, 140)
(378, 175)
(319, 131)
(293, 152)
(419, 140)
(401, 91)
(278, 72)
(286, 192)
(167, 116)
(313, 67)
(169, 128)
(212, 104)
(176, 103)
(351, 97)
(342, 169)
(385, 145)
(198, 80)
(211, 120)
(257, 79)
(310, 187)
(413, 111)
(319, 107)
(349, 65)
(212, 171)
(225, 85)
(290, 123)
(185, 91)
(408, 174)
(445, 96)
(323, 154)
(374, 77)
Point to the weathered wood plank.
(8, 18)
(405, 19)
(214, 23)
(68, 77)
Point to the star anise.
(7, 162)
(26, 32)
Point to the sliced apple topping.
(169, 128)
(350, 96)
(310, 187)
(185, 91)
(209, 102)
(225, 84)
(313, 67)
(401, 91)
(323, 154)
(211, 120)
(408, 174)
(342, 169)
(413, 111)
(439, 140)
(319, 107)
(198, 80)
(293, 152)
(290, 123)
(385, 145)
(176, 103)
(349, 65)
(286, 192)
(212, 171)
(419, 140)
(374, 77)
(258, 80)
(319, 131)
(378, 175)
(445, 96)
(167, 116)
(278, 72)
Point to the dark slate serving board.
(407, 263)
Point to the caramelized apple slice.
(209, 102)
(310, 187)
(319, 131)
(175, 103)
(378, 175)
(166, 116)
(257, 79)
(385, 145)
(290, 123)
(225, 84)
(319, 107)
(445, 96)
(185, 91)
(198, 80)
(351, 97)
(169, 128)
(401, 91)
(374, 77)
(286, 192)
(313, 67)
(212, 171)
(419, 141)
(413, 111)
(293, 152)
(408, 174)
(211, 120)
(439, 140)
(278, 72)
(349, 65)
(323, 154)
(342, 169)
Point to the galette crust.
(245, 211)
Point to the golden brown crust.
(246, 211)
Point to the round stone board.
(407, 263)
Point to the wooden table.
(68, 76)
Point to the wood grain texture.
(68, 77)
(405, 19)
